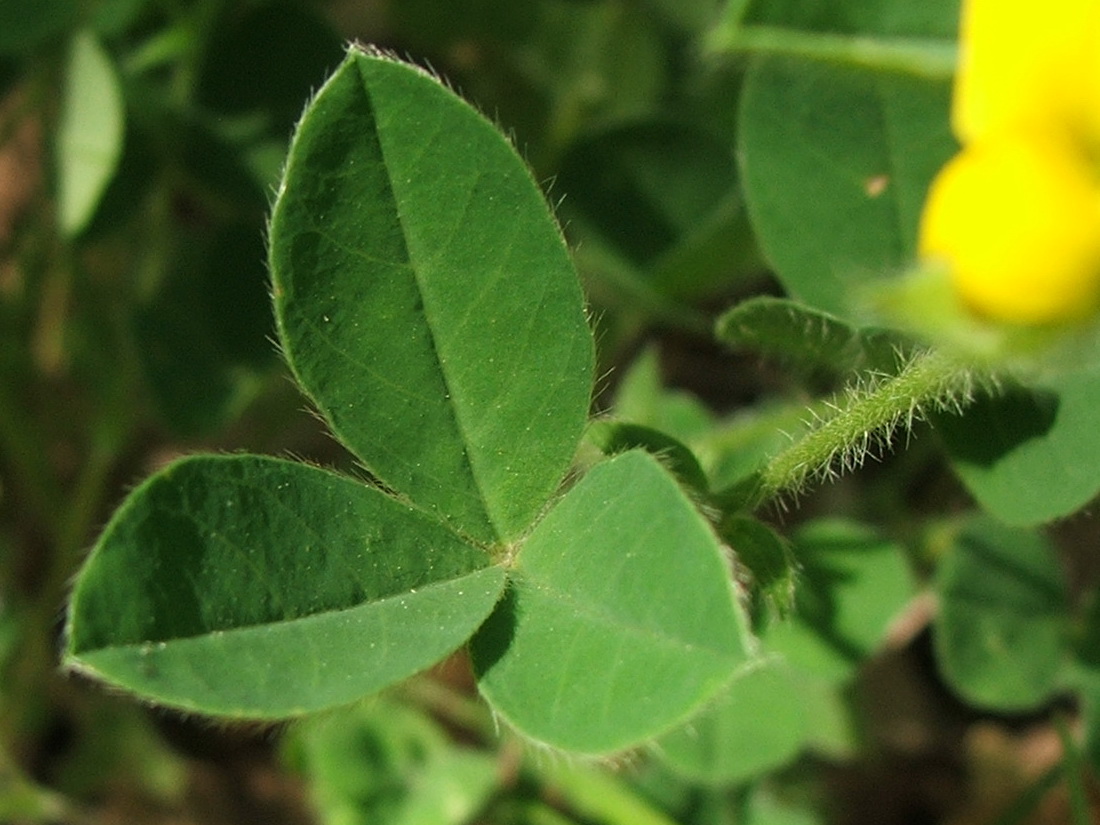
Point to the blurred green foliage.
(697, 153)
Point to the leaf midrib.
(287, 623)
(453, 406)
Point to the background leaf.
(249, 586)
(835, 165)
(1030, 455)
(690, 15)
(613, 437)
(89, 139)
(22, 28)
(432, 25)
(642, 398)
(767, 559)
(425, 298)
(807, 339)
(851, 584)
(643, 185)
(387, 764)
(264, 60)
(1001, 632)
(758, 724)
(620, 618)
(655, 215)
(204, 336)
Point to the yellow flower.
(1015, 216)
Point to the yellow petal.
(1017, 223)
(1028, 64)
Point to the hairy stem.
(862, 420)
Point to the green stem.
(40, 86)
(539, 813)
(858, 423)
(597, 795)
(452, 705)
(22, 800)
(621, 279)
(927, 58)
(22, 448)
(582, 86)
(1026, 803)
(85, 505)
(198, 21)
(1075, 773)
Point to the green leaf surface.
(757, 725)
(620, 619)
(1030, 455)
(250, 586)
(426, 300)
(90, 132)
(852, 584)
(807, 338)
(1000, 636)
(835, 164)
